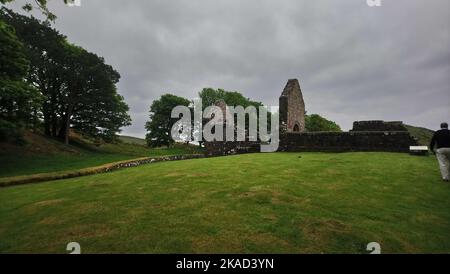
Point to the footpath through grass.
(263, 203)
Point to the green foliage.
(13, 62)
(79, 87)
(210, 96)
(161, 123)
(10, 132)
(98, 110)
(315, 122)
(40, 4)
(19, 101)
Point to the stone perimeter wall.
(389, 141)
(378, 125)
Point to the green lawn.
(263, 203)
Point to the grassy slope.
(132, 140)
(261, 203)
(423, 135)
(43, 155)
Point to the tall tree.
(18, 100)
(160, 124)
(46, 52)
(39, 4)
(79, 88)
(92, 104)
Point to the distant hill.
(132, 140)
(423, 135)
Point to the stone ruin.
(378, 125)
(365, 136)
(226, 147)
(292, 108)
(371, 140)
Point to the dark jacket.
(441, 138)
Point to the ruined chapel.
(375, 135)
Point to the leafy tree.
(160, 124)
(315, 122)
(40, 5)
(99, 111)
(210, 96)
(46, 52)
(18, 100)
(79, 88)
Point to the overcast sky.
(354, 62)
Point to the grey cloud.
(354, 62)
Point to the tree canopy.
(160, 124)
(78, 87)
(210, 96)
(315, 122)
(40, 4)
(18, 100)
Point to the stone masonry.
(365, 136)
(292, 108)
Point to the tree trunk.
(46, 120)
(67, 124)
(54, 125)
(66, 136)
(47, 126)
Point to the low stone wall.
(389, 141)
(143, 161)
(43, 177)
(231, 148)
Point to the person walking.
(441, 139)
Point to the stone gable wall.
(292, 107)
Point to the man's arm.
(433, 142)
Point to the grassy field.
(263, 203)
(43, 155)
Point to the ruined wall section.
(292, 108)
(377, 125)
(388, 141)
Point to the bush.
(315, 123)
(10, 132)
